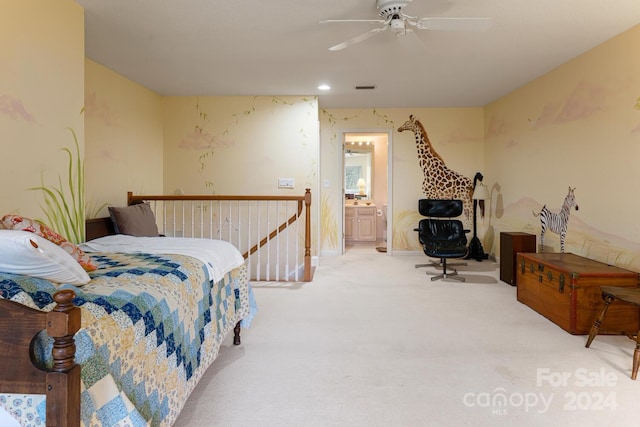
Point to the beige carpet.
(373, 342)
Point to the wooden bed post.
(307, 236)
(63, 382)
(236, 334)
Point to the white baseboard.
(329, 253)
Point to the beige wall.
(124, 134)
(130, 130)
(577, 126)
(41, 100)
(240, 144)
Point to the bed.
(129, 346)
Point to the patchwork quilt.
(151, 325)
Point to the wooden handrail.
(275, 232)
(131, 198)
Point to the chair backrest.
(440, 208)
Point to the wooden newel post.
(307, 236)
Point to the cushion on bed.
(17, 222)
(135, 220)
(28, 254)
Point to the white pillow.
(22, 252)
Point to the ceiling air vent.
(366, 87)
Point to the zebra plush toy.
(557, 222)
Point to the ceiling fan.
(392, 17)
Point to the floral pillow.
(17, 222)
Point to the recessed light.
(324, 87)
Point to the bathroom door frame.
(341, 162)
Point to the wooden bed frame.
(99, 227)
(61, 382)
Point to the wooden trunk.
(565, 288)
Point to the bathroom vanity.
(360, 223)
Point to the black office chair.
(441, 235)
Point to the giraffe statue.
(439, 181)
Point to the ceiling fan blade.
(372, 21)
(454, 24)
(357, 39)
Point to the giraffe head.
(422, 139)
(411, 124)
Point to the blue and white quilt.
(151, 325)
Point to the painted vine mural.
(205, 140)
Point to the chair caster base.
(439, 264)
(431, 264)
(452, 275)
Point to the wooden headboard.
(99, 227)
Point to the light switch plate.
(286, 182)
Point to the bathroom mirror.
(358, 172)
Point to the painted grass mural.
(403, 235)
(329, 225)
(64, 203)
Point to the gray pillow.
(135, 220)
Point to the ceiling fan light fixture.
(401, 24)
(397, 24)
(388, 8)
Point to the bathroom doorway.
(366, 187)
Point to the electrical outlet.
(286, 182)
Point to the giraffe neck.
(422, 141)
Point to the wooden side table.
(510, 244)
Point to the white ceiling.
(277, 47)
